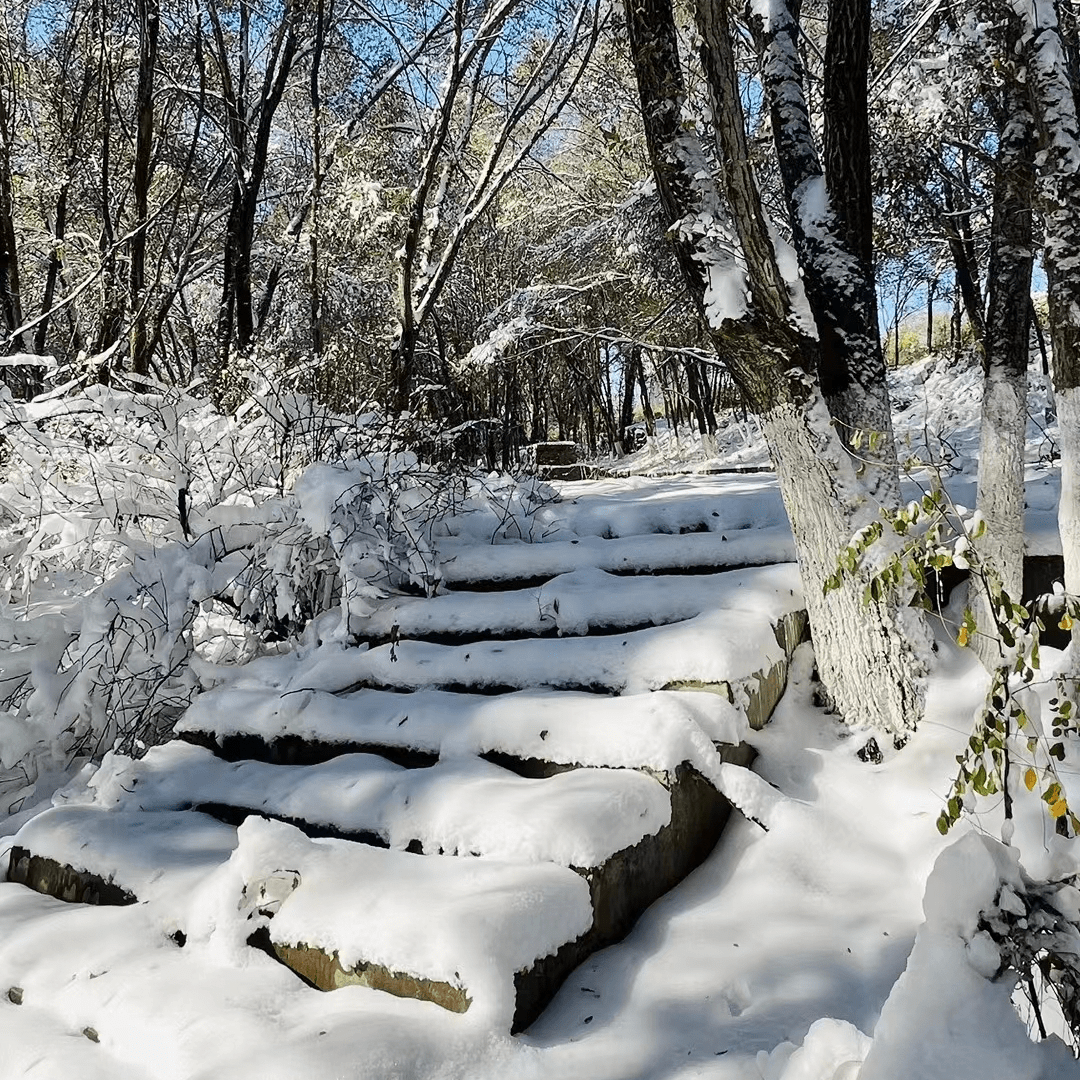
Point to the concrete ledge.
(48, 876)
(324, 972)
(628, 882)
(764, 688)
(620, 889)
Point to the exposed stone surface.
(325, 972)
(64, 882)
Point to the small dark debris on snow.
(15, 995)
(587, 1020)
(871, 752)
(180, 938)
(91, 1034)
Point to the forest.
(293, 294)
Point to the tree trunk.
(1040, 340)
(967, 270)
(626, 405)
(10, 298)
(149, 22)
(248, 130)
(831, 217)
(870, 656)
(1004, 410)
(646, 404)
(929, 316)
(1053, 102)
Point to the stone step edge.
(762, 689)
(621, 888)
(473, 637)
(63, 882)
(509, 584)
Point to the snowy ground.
(782, 957)
(773, 960)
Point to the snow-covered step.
(586, 601)
(716, 647)
(463, 933)
(461, 806)
(656, 731)
(641, 505)
(711, 648)
(88, 854)
(473, 566)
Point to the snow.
(839, 942)
(130, 848)
(483, 920)
(950, 983)
(517, 562)
(459, 806)
(716, 646)
(658, 730)
(726, 294)
(581, 600)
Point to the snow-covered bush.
(986, 923)
(139, 529)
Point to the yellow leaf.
(962, 637)
(1066, 622)
(1059, 809)
(1030, 779)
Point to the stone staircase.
(463, 811)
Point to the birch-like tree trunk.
(1053, 96)
(830, 212)
(1005, 363)
(871, 656)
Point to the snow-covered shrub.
(951, 1013)
(139, 530)
(1035, 926)
(134, 527)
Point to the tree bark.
(248, 129)
(870, 656)
(1005, 364)
(149, 19)
(831, 218)
(967, 269)
(1053, 98)
(10, 293)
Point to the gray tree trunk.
(1053, 98)
(1006, 347)
(870, 656)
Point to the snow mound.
(948, 1016)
